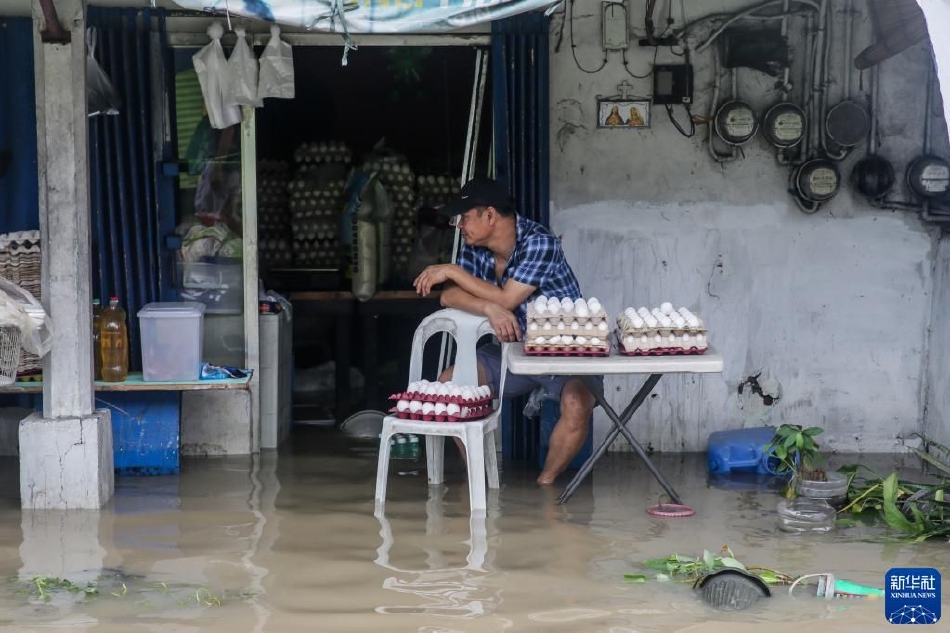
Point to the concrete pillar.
(51, 475)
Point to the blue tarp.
(19, 197)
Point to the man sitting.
(508, 260)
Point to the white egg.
(402, 405)
(486, 391)
(442, 389)
(554, 308)
(588, 327)
(453, 409)
(455, 392)
(413, 386)
(595, 341)
(464, 412)
(629, 312)
(567, 304)
(665, 321)
(581, 309)
(547, 327)
(429, 389)
(700, 338)
(580, 340)
(643, 339)
(602, 326)
(686, 338)
(561, 325)
(567, 339)
(449, 384)
(679, 322)
(555, 340)
(532, 327)
(672, 338)
(637, 322)
(666, 307)
(541, 310)
(540, 340)
(427, 408)
(575, 326)
(630, 340)
(693, 321)
(439, 408)
(415, 406)
(657, 339)
(467, 393)
(651, 321)
(541, 301)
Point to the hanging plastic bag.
(242, 67)
(212, 69)
(277, 68)
(20, 309)
(101, 96)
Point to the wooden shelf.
(135, 383)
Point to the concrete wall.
(831, 311)
(937, 418)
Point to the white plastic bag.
(101, 96)
(242, 67)
(277, 68)
(20, 309)
(212, 68)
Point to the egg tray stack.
(21, 264)
(442, 402)
(435, 191)
(397, 178)
(562, 327)
(316, 203)
(660, 331)
(273, 229)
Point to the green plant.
(688, 569)
(795, 447)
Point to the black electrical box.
(672, 84)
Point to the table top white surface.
(616, 363)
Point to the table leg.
(620, 423)
(342, 344)
(371, 360)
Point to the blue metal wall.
(19, 193)
(130, 204)
(520, 76)
(520, 102)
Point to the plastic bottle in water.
(402, 448)
(96, 347)
(114, 342)
(415, 450)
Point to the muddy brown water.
(290, 542)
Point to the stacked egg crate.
(316, 202)
(273, 229)
(398, 180)
(435, 191)
(442, 402)
(562, 327)
(21, 263)
(660, 331)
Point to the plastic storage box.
(741, 450)
(172, 338)
(219, 286)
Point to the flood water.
(290, 542)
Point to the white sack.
(242, 80)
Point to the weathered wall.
(832, 311)
(937, 418)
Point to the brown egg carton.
(421, 397)
(476, 413)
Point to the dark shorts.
(489, 357)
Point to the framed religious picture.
(614, 113)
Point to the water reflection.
(444, 589)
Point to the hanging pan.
(816, 180)
(784, 125)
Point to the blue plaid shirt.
(536, 261)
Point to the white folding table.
(587, 368)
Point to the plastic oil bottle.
(96, 347)
(114, 342)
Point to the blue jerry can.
(741, 450)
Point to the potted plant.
(795, 447)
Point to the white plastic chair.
(477, 435)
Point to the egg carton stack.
(562, 327)
(21, 263)
(273, 228)
(435, 191)
(660, 331)
(442, 402)
(316, 203)
(396, 176)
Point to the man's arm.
(502, 320)
(510, 296)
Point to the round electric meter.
(784, 125)
(873, 176)
(736, 122)
(929, 176)
(817, 180)
(847, 123)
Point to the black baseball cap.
(480, 192)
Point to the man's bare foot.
(546, 479)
